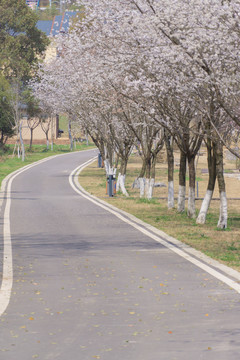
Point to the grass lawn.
(8, 163)
(222, 245)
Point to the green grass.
(63, 124)
(8, 163)
(146, 201)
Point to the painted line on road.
(172, 245)
(7, 272)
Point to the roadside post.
(99, 160)
(111, 186)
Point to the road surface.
(87, 285)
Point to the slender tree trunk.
(100, 145)
(70, 135)
(170, 160)
(201, 219)
(52, 135)
(22, 143)
(191, 193)
(122, 176)
(118, 182)
(31, 139)
(141, 178)
(222, 222)
(1, 140)
(47, 140)
(152, 177)
(117, 160)
(148, 176)
(182, 182)
(119, 173)
(109, 167)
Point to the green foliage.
(21, 42)
(22, 45)
(31, 102)
(6, 112)
(147, 201)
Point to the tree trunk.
(170, 160)
(191, 193)
(222, 222)
(52, 136)
(122, 185)
(182, 182)
(141, 179)
(107, 167)
(122, 176)
(142, 186)
(22, 143)
(47, 140)
(31, 139)
(148, 177)
(151, 182)
(118, 182)
(201, 219)
(1, 140)
(70, 135)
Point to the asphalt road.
(87, 285)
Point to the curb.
(214, 264)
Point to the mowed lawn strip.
(222, 245)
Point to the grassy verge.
(223, 246)
(8, 163)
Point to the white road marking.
(73, 177)
(7, 279)
(7, 275)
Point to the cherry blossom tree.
(170, 61)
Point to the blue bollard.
(99, 160)
(110, 185)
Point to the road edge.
(223, 272)
(5, 195)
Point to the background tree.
(6, 113)
(21, 47)
(21, 42)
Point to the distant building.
(59, 25)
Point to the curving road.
(87, 285)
